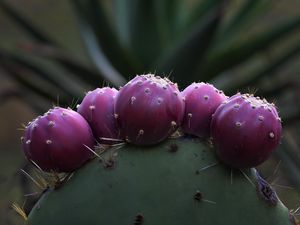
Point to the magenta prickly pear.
(58, 140)
(148, 109)
(201, 101)
(245, 130)
(97, 108)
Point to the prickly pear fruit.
(97, 108)
(201, 101)
(245, 130)
(58, 140)
(164, 184)
(148, 109)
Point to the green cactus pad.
(160, 185)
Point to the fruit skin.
(148, 109)
(245, 130)
(55, 141)
(201, 101)
(97, 108)
(163, 187)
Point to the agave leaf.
(200, 9)
(276, 90)
(52, 78)
(291, 120)
(25, 24)
(171, 17)
(92, 11)
(245, 16)
(251, 79)
(227, 57)
(67, 61)
(141, 20)
(37, 106)
(163, 18)
(96, 53)
(183, 60)
(23, 77)
(74, 67)
(9, 93)
(289, 161)
(123, 10)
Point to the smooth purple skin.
(55, 141)
(245, 131)
(201, 101)
(97, 108)
(148, 109)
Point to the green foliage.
(189, 41)
(165, 184)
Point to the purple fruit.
(148, 109)
(245, 130)
(201, 101)
(97, 108)
(57, 140)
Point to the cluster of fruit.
(148, 109)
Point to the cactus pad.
(161, 185)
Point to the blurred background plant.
(238, 45)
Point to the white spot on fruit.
(92, 107)
(260, 118)
(236, 106)
(271, 135)
(116, 116)
(173, 124)
(190, 115)
(48, 142)
(159, 100)
(238, 124)
(28, 142)
(51, 123)
(132, 99)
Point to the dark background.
(56, 19)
